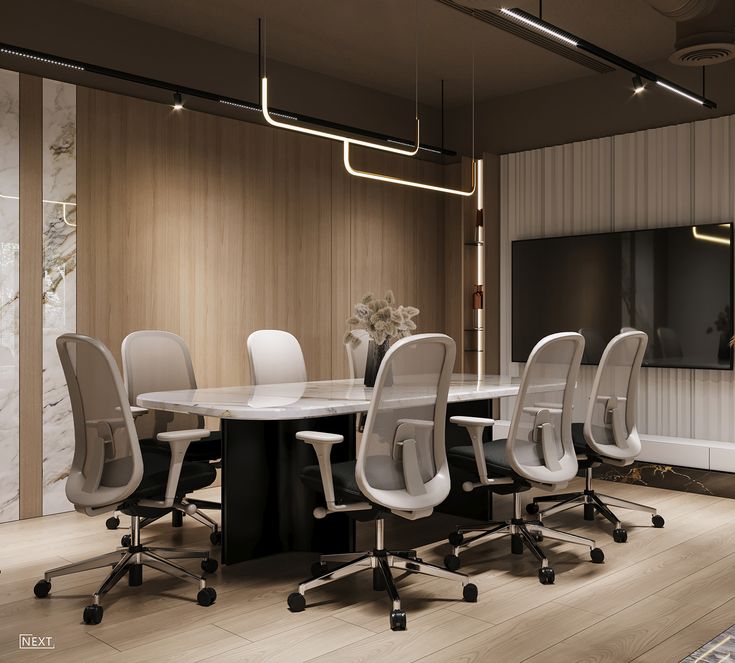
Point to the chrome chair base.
(131, 561)
(523, 533)
(381, 562)
(593, 503)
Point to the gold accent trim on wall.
(30, 304)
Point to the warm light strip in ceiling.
(573, 41)
(412, 151)
(397, 180)
(711, 238)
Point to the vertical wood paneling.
(213, 228)
(713, 412)
(30, 310)
(653, 178)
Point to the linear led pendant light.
(550, 30)
(412, 183)
(326, 134)
(411, 151)
(397, 180)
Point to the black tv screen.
(675, 284)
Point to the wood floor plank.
(693, 636)
(625, 635)
(658, 597)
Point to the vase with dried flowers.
(384, 321)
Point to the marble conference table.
(265, 507)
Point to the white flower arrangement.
(382, 319)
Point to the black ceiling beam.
(77, 65)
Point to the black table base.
(266, 509)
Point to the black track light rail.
(617, 61)
(76, 65)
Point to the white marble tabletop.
(304, 400)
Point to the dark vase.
(723, 351)
(375, 356)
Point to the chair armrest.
(138, 411)
(475, 427)
(322, 443)
(178, 441)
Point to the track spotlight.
(178, 101)
(638, 84)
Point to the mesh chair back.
(540, 446)
(610, 425)
(275, 357)
(107, 465)
(158, 361)
(357, 353)
(401, 459)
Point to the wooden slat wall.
(30, 306)
(213, 228)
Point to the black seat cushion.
(208, 449)
(346, 490)
(155, 476)
(463, 458)
(343, 476)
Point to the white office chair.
(109, 471)
(401, 467)
(156, 360)
(538, 452)
(609, 433)
(275, 357)
(357, 353)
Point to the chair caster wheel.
(397, 620)
(546, 576)
(126, 541)
(135, 575)
(456, 539)
(112, 523)
(597, 556)
(469, 593)
(451, 562)
(296, 602)
(589, 511)
(216, 538)
(620, 535)
(537, 536)
(92, 614)
(531, 508)
(319, 569)
(516, 544)
(210, 565)
(657, 521)
(206, 596)
(42, 588)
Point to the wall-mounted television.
(675, 284)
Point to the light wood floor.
(655, 599)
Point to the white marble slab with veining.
(305, 400)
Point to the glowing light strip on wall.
(711, 238)
(50, 202)
(397, 180)
(325, 134)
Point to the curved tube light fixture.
(325, 134)
(398, 180)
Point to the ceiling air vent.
(703, 54)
